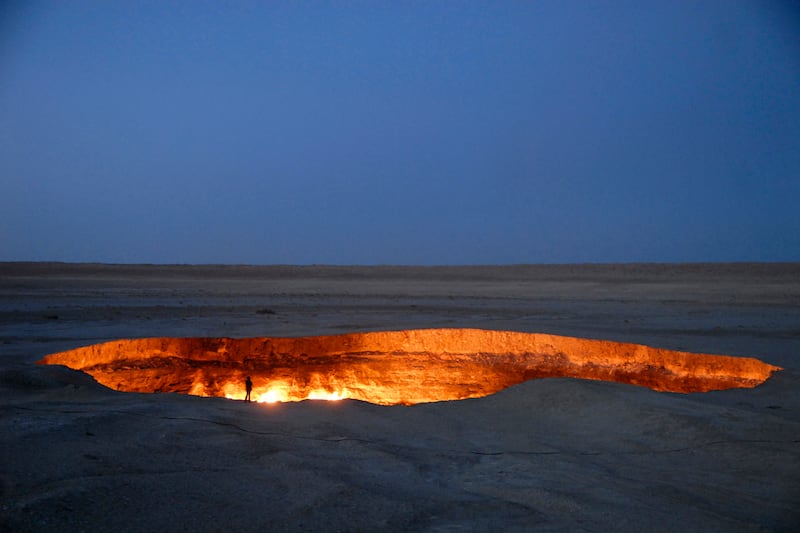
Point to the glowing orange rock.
(396, 367)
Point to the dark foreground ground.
(555, 454)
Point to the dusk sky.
(399, 132)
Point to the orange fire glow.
(396, 367)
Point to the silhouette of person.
(248, 385)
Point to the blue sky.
(399, 132)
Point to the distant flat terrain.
(549, 454)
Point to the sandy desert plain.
(556, 454)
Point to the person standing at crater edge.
(248, 385)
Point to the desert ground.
(548, 454)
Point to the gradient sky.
(399, 132)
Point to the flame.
(281, 391)
(274, 394)
(396, 367)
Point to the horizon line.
(395, 265)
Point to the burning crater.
(396, 367)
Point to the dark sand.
(552, 454)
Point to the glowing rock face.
(396, 367)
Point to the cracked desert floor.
(552, 454)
